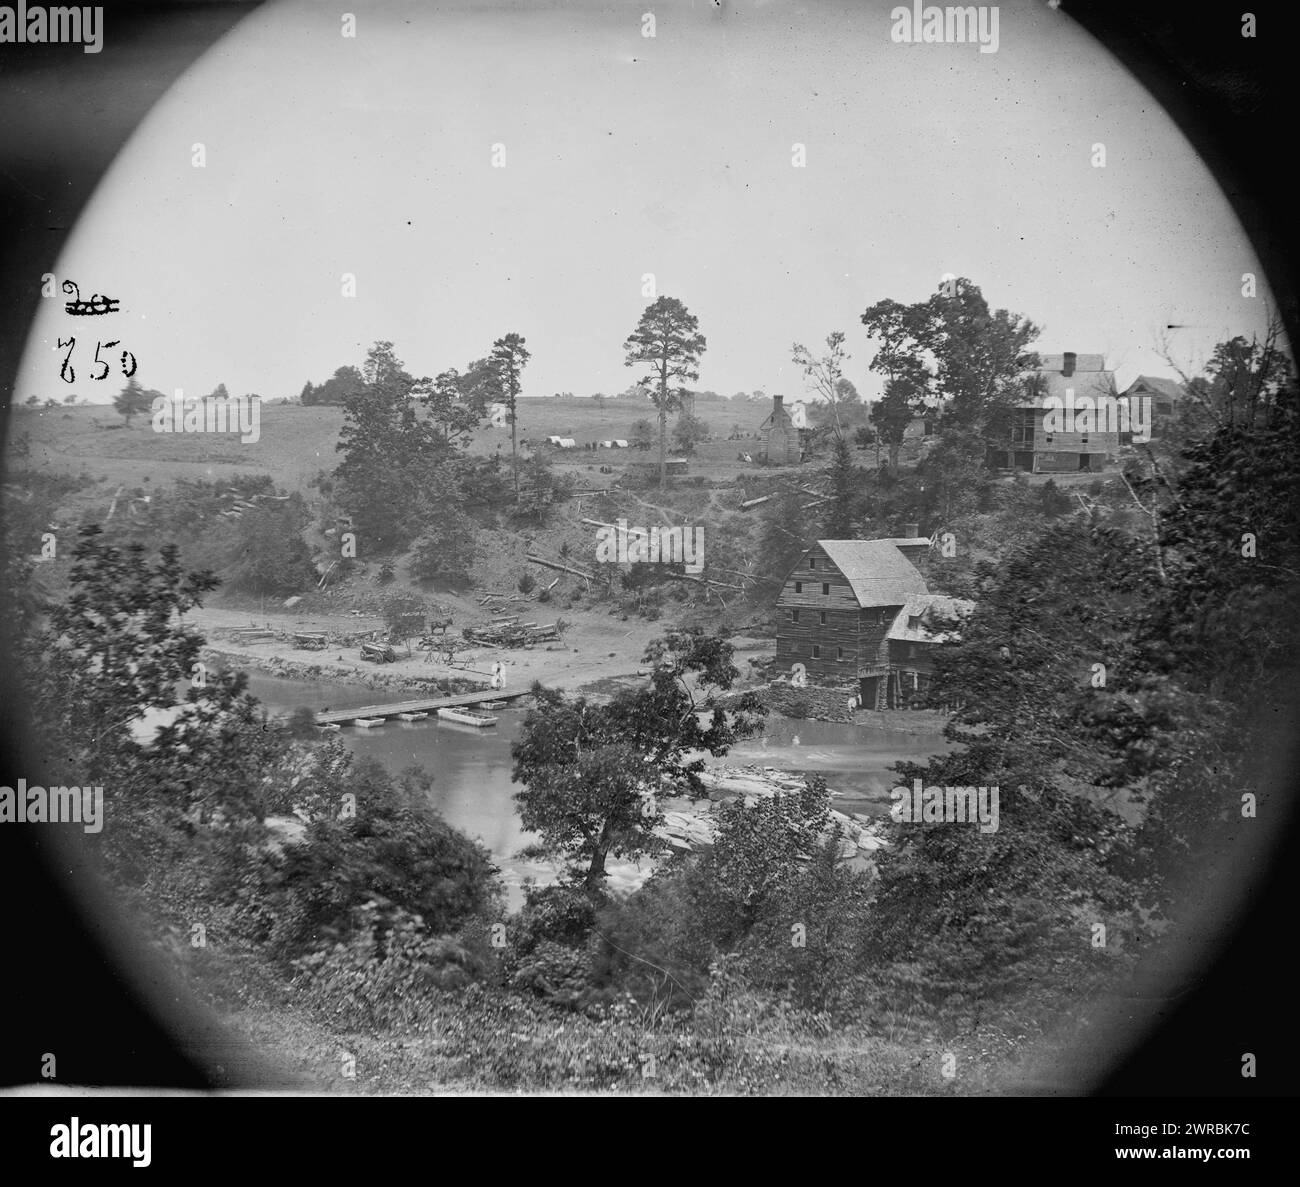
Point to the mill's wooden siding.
(851, 640)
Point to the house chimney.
(777, 402)
(911, 530)
(1067, 367)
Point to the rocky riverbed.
(689, 824)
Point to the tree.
(688, 432)
(394, 474)
(509, 358)
(1242, 379)
(404, 615)
(456, 403)
(70, 399)
(1033, 722)
(668, 343)
(446, 549)
(394, 857)
(642, 434)
(478, 383)
(972, 358)
(344, 382)
(115, 650)
(132, 400)
(824, 376)
(32, 401)
(599, 400)
(591, 772)
(271, 556)
(895, 411)
(760, 851)
(845, 485)
(591, 807)
(537, 489)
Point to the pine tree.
(844, 494)
(667, 340)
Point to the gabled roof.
(879, 574)
(1154, 383)
(1090, 378)
(928, 608)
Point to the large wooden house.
(1035, 445)
(856, 615)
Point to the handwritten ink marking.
(97, 306)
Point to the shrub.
(555, 913)
(393, 848)
(1052, 501)
(301, 722)
(555, 972)
(386, 972)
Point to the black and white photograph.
(690, 549)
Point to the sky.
(625, 155)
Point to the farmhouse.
(1035, 444)
(1165, 396)
(857, 614)
(782, 442)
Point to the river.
(472, 789)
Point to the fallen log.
(537, 560)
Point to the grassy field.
(297, 443)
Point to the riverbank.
(350, 677)
(594, 648)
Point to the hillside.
(296, 443)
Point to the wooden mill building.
(857, 615)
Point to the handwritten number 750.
(69, 375)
